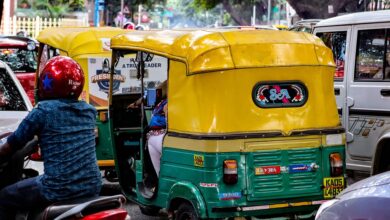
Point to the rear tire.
(186, 212)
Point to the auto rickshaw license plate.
(333, 186)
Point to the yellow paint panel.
(106, 163)
(202, 104)
(276, 206)
(239, 145)
(215, 49)
(282, 144)
(300, 203)
(79, 40)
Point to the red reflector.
(336, 164)
(36, 156)
(114, 214)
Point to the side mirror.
(31, 45)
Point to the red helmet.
(61, 77)
(129, 25)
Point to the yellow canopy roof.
(222, 49)
(79, 40)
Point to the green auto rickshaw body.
(255, 105)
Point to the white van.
(361, 48)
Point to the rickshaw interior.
(130, 125)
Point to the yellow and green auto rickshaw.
(252, 123)
(90, 47)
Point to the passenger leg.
(23, 195)
(155, 147)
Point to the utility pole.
(123, 15)
(269, 12)
(254, 14)
(139, 14)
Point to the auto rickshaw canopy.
(213, 75)
(76, 41)
(223, 49)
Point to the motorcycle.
(93, 208)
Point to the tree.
(55, 8)
(240, 11)
(326, 8)
(1, 9)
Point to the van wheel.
(186, 212)
(149, 210)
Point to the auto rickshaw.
(90, 47)
(252, 123)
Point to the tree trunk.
(1, 9)
(307, 9)
(235, 14)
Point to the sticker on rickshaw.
(333, 186)
(208, 185)
(274, 95)
(300, 168)
(230, 196)
(198, 160)
(267, 170)
(125, 77)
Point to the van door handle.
(385, 92)
(337, 91)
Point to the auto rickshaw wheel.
(111, 175)
(149, 210)
(186, 212)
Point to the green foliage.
(76, 5)
(205, 4)
(52, 8)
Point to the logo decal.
(198, 160)
(267, 170)
(47, 83)
(300, 168)
(230, 196)
(273, 95)
(102, 78)
(208, 185)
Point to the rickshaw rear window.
(277, 95)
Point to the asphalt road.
(132, 208)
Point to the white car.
(14, 102)
(14, 106)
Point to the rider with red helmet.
(65, 129)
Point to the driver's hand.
(5, 149)
(132, 105)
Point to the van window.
(372, 55)
(337, 42)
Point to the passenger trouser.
(155, 148)
(23, 195)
